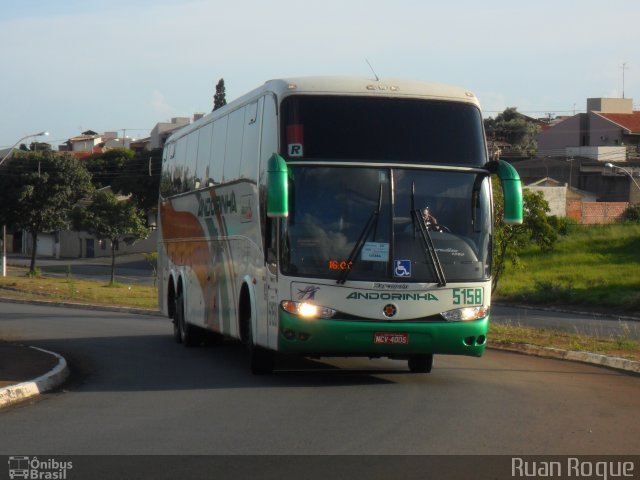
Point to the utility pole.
(624, 67)
(3, 262)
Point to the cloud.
(159, 103)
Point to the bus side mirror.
(512, 192)
(277, 187)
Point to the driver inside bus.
(428, 218)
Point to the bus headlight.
(307, 310)
(465, 314)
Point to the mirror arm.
(277, 187)
(512, 192)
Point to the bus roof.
(341, 85)
(366, 86)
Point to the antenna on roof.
(374, 72)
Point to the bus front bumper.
(334, 337)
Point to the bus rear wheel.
(186, 334)
(176, 329)
(420, 363)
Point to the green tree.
(106, 166)
(509, 240)
(37, 146)
(38, 190)
(140, 178)
(108, 218)
(220, 97)
(514, 128)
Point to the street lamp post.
(4, 227)
(627, 172)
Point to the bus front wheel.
(420, 363)
(262, 360)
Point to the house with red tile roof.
(608, 123)
(597, 151)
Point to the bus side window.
(177, 170)
(233, 155)
(204, 154)
(251, 142)
(191, 181)
(166, 189)
(218, 149)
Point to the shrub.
(562, 225)
(632, 215)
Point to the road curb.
(50, 380)
(572, 312)
(615, 363)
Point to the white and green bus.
(328, 216)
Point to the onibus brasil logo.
(34, 468)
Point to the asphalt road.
(587, 324)
(134, 391)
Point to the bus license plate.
(388, 338)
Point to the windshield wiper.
(371, 223)
(430, 248)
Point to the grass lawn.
(78, 291)
(594, 267)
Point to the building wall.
(84, 145)
(610, 105)
(603, 132)
(48, 245)
(161, 129)
(599, 153)
(568, 133)
(557, 198)
(594, 213)
(77, 245)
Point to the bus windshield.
(382, 130)
(337, 211)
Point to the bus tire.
(262, 360)
(177, 336)
(420, 363)
(189, 335)
(178, 314)
(176, 330)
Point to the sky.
(124, 65)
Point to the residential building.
(578, 149)
(609, 131)
(559, 195)
(163, 130)
(90, 142)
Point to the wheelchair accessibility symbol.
(402, 268)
